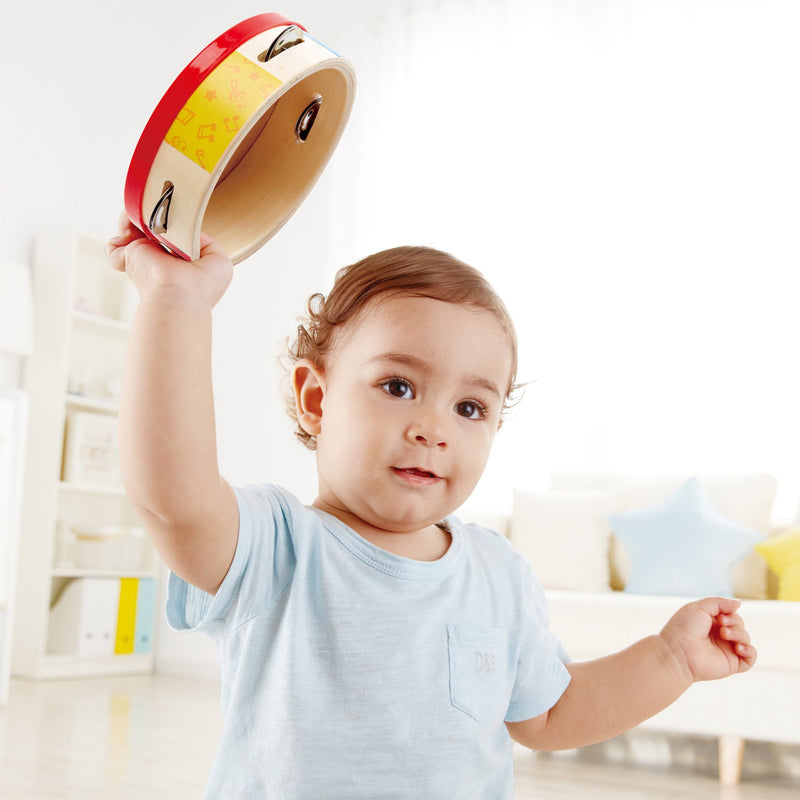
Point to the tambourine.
(239, 139)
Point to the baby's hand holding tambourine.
(155, 271)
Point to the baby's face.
(412, 402)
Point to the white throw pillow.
(565, 536)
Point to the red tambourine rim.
(174, 100)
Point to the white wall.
(626, 173)
(10, 371)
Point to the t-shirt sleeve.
(261, 569)
(541, 676)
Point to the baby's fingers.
(747, 656)
(731, 622)
(734, 634)
(733, 631)
(127, 232)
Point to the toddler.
(371, 645)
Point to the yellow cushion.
(782, 554)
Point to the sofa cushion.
(682, 546)
(565, 536)
(782, 554)
(744, 498)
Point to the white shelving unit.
(82, 313)
(13, 423)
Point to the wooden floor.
(155, 737)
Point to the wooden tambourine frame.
(239, 139)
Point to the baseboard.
(188, 668)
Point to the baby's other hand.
(153, 269)
(709, 639)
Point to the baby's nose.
(429, 431)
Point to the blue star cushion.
(683, 546)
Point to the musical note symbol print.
(238, 97)
(211, 117)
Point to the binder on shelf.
(126, 616)
(103, 617)
(83, 620)
(145, 615)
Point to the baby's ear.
(309, 388)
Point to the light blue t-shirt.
(349, 672)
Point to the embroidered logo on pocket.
(485, 662)
(478, 671)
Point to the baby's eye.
(397, 387)
(471, 409)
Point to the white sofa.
(565, 534)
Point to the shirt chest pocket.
(478, 671)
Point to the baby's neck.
(427, 544)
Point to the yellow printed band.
(218, 108)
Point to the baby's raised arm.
(167, 431)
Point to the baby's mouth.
(415, 472)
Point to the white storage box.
(109, 547)
(90, 452)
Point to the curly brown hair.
(399, 271)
